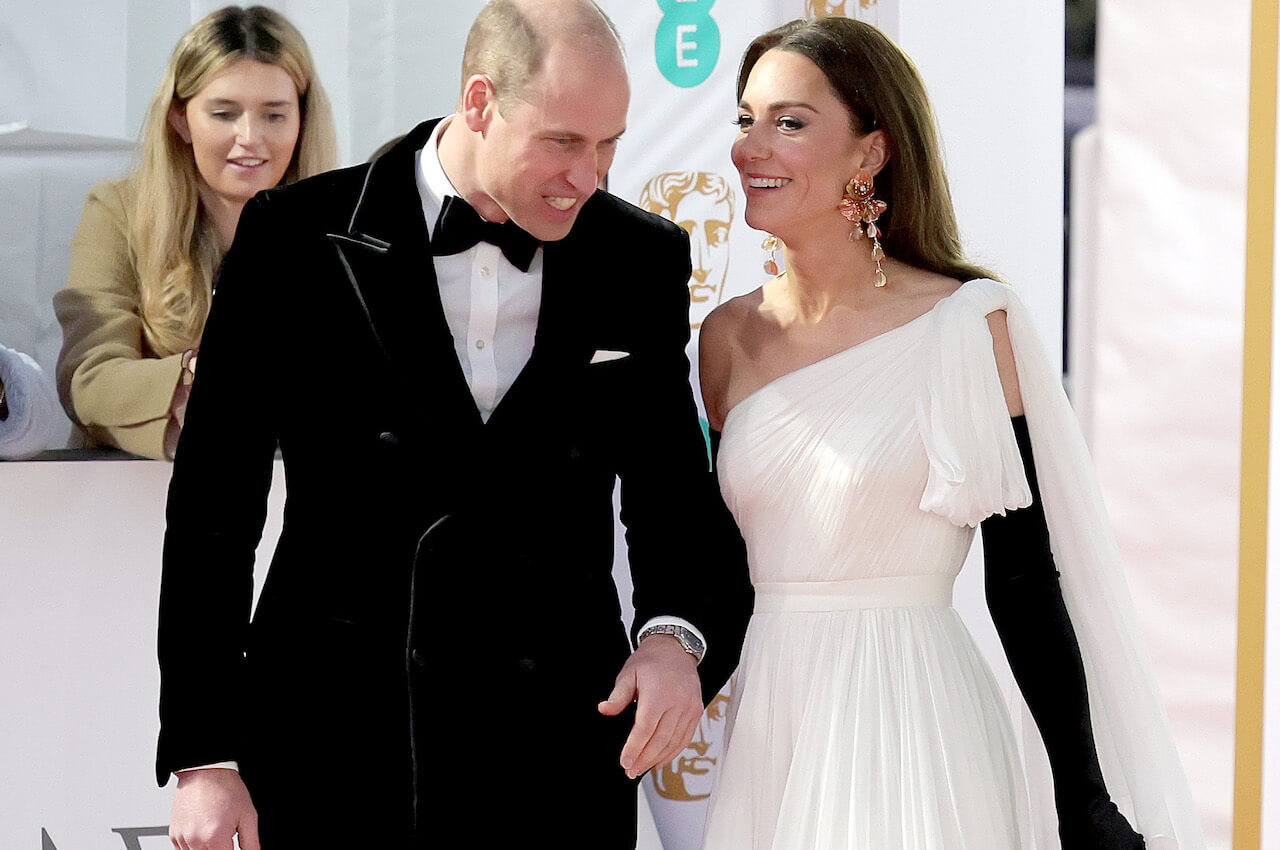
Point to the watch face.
(688, 640)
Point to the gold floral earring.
(771, 244)
(862, 207)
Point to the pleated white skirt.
(866, 728)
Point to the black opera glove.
(1029, 614)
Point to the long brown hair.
(882, 90)
(173, 240)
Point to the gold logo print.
(688, 776)
(824, 9)
(702, 203)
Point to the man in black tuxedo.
(439, 623)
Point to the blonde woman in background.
(239, 110)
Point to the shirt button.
(479, 343)
(485, 271)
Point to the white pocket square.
(604, 355)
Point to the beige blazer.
(110, 381)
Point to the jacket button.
(419, 658)
(389, 438)
(527, 665)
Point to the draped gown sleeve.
(975, 471)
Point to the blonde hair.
(882, 90)
(173, 240)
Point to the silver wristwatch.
(691, 643)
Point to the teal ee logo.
(687, 45)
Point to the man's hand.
(662, 679)
(209, 807)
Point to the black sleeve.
(1031, 619)
(666, 479)
(217, 506)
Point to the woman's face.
(794, 151)
(242, 127)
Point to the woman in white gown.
(875, 410)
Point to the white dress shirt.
(491, 306)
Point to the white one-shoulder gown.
(864, 716)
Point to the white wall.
(995, 72)
(91, 67)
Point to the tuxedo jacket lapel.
(386, 256)
(560, 342)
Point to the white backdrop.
(81, 540)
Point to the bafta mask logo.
(702, 204)
(689, 776)
(836, 9)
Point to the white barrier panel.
(80, 567)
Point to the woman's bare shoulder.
(925, 285)
(719, 346)
(729, 319)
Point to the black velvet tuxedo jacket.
(439, 620)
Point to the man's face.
(541, 158)
(707, 222)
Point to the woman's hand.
(178, 407)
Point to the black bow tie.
(460, 227)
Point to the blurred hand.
(177, 416)
(662, 679)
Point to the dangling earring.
(771, 244)
(861, 207)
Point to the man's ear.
(178, 121)
(479, 103)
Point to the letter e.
(683, 45)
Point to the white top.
(34, 412)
